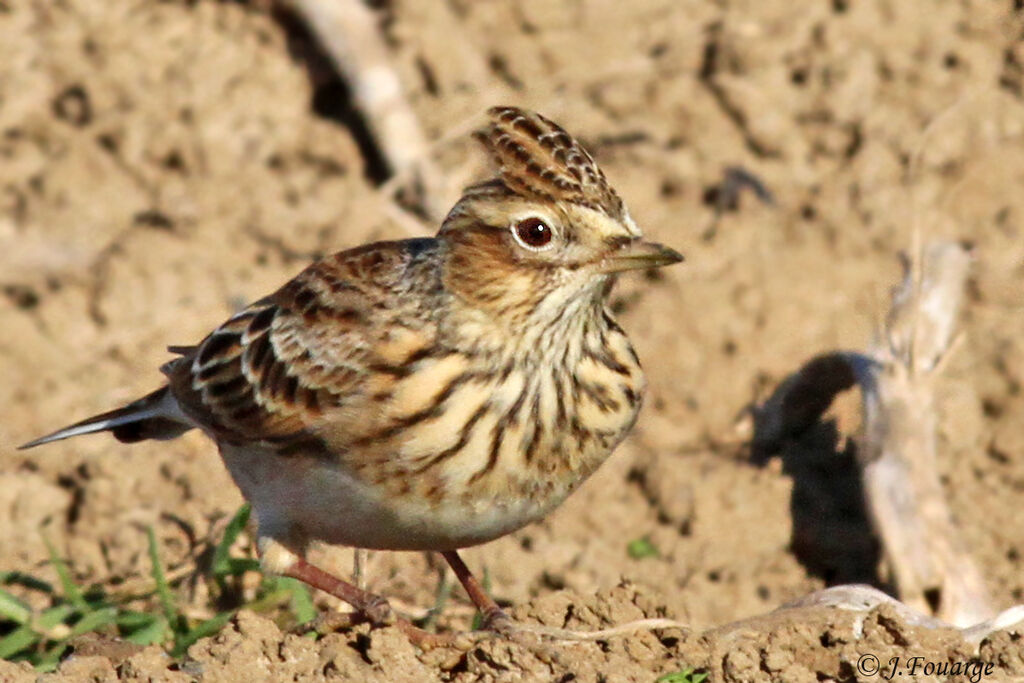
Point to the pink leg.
(371, 607)
(494, 617)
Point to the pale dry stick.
(864, 599)
(860, 601)
(654, 624)
(929, 565)
(448, 186)
(898, 455)
(348, 32)
(919, 336)
(917, 236)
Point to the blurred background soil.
(161, 163)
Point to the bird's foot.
(495, 620)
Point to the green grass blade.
(240, 565)
(269, 597)
(206, 628)
(54, 616)
(129, 620)
(163, 589)
(93, 621)
(71, 590)
(275, 591)
(222, 565)
(685, 676)
(51, 658)
(150, 632)
(14, 609)
(17, 640)
(301, 601)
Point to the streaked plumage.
(429, 393)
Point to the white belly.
(298, 499)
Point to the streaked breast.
(508, 430)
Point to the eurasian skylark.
(424, 394)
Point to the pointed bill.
(639, 254)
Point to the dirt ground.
(162, 163)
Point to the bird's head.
(547, 235)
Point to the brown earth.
(161, 163)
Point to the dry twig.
(348, 32)
(929, 565)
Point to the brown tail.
(154, 416)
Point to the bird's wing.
(314, 352)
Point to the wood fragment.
(860, 601)
(349, 33)
(929, 565)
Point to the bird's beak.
(640, 254)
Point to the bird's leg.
(369, 606)
(375, 608)
(495, 618)
(278, 558)
(358, 561)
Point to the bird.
(429, 393)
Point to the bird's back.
(310, 354)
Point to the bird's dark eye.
(533, 233)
